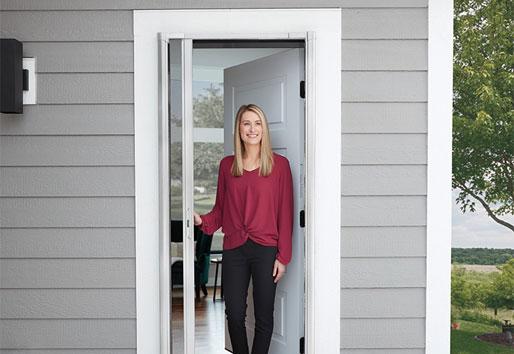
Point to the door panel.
(273, 83)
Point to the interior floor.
(209, 322)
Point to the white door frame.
(323, 155)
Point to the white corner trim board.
(322, 30)
(439, 172)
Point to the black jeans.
(238, 264)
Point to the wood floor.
(209, 323)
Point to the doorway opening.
(225, 75)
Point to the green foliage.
(483, 134)
(208, 111)
(465, 294)
(479, 317)
(490, 256)
(503, 286)
(207, 157)
(473, 292)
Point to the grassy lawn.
(463, 341)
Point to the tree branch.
(510, 184)
(486, 207)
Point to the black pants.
(238, 264)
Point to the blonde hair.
(266, 154)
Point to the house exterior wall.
(67, 252)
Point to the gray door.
(273, 83)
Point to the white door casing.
(321, 28)
(273, 83)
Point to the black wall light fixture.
(13, 78)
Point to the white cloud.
(479, 230)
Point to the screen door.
(175, 193)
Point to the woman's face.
(250, 128)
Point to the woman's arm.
(211, 221)
(285, 215)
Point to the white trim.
(310, 190)
(164, 192)
(439, 171)
(323, 175)
(187, 197)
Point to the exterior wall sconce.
(17, 77)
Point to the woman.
(254, 207)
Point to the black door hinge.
(302, 345)
(302, 218)
(302, 89)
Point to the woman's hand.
(197, 219)
(278, 270)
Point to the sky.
(479, 230)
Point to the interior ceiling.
(226, 57)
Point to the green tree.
(464, 294)
(483, 135)
(492, 299)
(208, 108)
(503, 288)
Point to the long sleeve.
(212, 221)
(285, 215)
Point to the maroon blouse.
(253, 206)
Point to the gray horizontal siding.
(79, 119)
(400, 23)
(67, 242)
(391, 54)
(384, 149)
(384, 86)
(67, 212)
(381, 241)
(67, 181)
(72, 57)
(388, 180)
(383, 272)
(362, 303)
(67, 303)
(64, 209)
(81, 333)
(52, 26)
(182, 4)
(90, 88)
(383, 333)
(383, 211)
(384, 154)
(67, 273)
(66, 150)
(384, 117)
